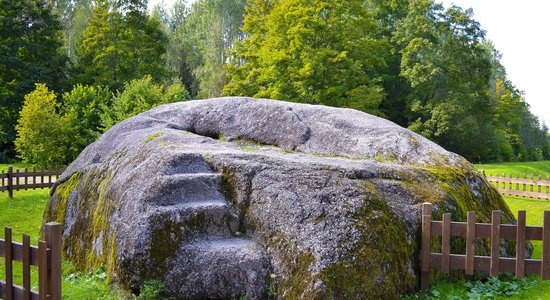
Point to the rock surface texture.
(233, 197)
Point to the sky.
(519, 31)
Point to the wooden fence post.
(8, 255)
(42, 270)
(470, 239)
(10, 181)
(495, 243)
(545, 265)
(445, 242)
(52, 232)
(426, 238)
(26, 253)
(520, 245)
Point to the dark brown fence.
(534, 186)
(470, 230)
(25, 179)
(47, 257)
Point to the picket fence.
(495, 231)
(25, 179)
(533, 186)
(46, 256)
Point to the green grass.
(23, 214)
(4, 167)
(536, 168)
(534, 209)
(530, 288)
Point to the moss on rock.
(55, 212)
(378, 263)
(91, 243)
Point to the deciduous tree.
(30, 43)
(317, 51)
(121, 43)
(42, 132)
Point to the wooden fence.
(526, 186)
(470, 230)
(47, 257)
(25, 179)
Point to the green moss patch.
(91, 243)
(153, 137)
(377, 266)
(297, 279)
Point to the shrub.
(83, 108)
(42, 133)
(154, 290)
(138, 96)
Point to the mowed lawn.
(535, 168)
(23, 214)
(534, 209)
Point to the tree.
(448, 70)
(318, 51)
(519, 134)
(388, 14)
(30, 43)
(223, 22)
(83, 108)
(121, 43)
(42, 133)
(74, 15)
(201, 37)
(138, 96)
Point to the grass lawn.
(534, 209)
(4, 167)
(24, 214)
(536, 167)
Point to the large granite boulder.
(233, 197)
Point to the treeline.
(424, 67)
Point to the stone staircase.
(212, 261)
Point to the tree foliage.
(448, 71)
(138, 96)
(83, 108)
(42, 132)
(30, 43)
(321, 52)
(121, 43)
(201, 36)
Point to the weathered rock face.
(235, 196)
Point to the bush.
(83, 108)
(42, 133)
(138, 96)
(154, 290)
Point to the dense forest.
(71, 69)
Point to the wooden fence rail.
(470, 230)
(534, 186)
(25, 179)
(47, 257)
